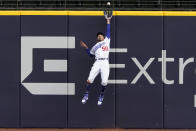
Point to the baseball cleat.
(100, 101)
(84, 99)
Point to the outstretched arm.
(86, 48)
(108, 29)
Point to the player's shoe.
(100, 101)
(85, 98)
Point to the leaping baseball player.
(101, 65)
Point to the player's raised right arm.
(108, 28)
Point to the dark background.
(140, 105)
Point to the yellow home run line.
(100, 13)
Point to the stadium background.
(143, 28)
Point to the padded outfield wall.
(43, 70)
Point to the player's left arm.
(86, 48)
(108, 28)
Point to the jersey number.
(104, 48)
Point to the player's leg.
(105, 70)
(92, 75)
(85, 97)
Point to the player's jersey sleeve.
(108, 31)
(92, 51)
(88, 52)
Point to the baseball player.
(101, 65)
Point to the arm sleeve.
(89, 53)
(108, 31)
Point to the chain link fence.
(97, 4)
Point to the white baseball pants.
(100, 66)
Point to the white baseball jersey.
(101, 49)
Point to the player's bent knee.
(104, 83)
(89, 81)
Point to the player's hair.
(100, 33)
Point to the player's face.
(100, 37)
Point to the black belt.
(101, 58)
